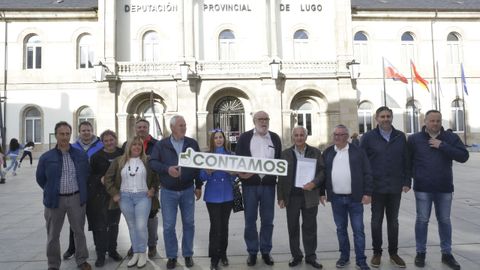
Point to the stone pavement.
(23, 233)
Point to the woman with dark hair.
(13, 152)
(101, 221)
(27, 151)
(219, 199)
(132, 185)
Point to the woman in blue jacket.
(13, 152)
(219, 198)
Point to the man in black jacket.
(259, 189)
(386, 149)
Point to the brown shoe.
(397, 261)
(376, 260)
(85, 266)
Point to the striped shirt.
(68, 180)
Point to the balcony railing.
(222, 69)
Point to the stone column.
(122, 127)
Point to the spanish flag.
(417, 78)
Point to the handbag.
(237, 196)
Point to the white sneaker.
(142, 260)
(14, 173)
(133, 261)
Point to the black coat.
(98, 198)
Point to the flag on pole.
(417, 78)
(392, 73)
(464, 83)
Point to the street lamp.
(184, 67)
(354, 68)
(275, 69)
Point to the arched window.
(33, 125)
(86, 51)
(408, 47)
(412, 113)
(360, 47)
(151, 47)
(303, 118)
(300, 45)
(33, 52)
(154, 119)
(453, 48)
(86, 114)
(458, 123)
(226, 45)
(229, 115)
(364, 117)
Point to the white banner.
(232, 163)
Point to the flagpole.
(384, 83)
(413, 101)
(433, 59)
(438, 90)
(464, 118)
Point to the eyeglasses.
(263, 119)
(339, 134)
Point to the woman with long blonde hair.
(132, 185)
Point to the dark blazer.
(389, 160)
(362, 182)
(432, 167)
(286, 183)
(243, 149)
(164, 155)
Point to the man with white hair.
(179, 187)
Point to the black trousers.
(26, 153)
(388, 205)
(295, 206)
(105, 239)
(219, 217)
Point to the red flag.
(417, 78)
(392, 73)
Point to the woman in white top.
(132, 186)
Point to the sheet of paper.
(305, 171)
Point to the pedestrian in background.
(27, 151)
(2, 162)
(13, 153)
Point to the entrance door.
(229, 115)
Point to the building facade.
(111, 62)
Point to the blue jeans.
(342, 207)
(253, 197)
(13, 163)
(171, 200)
(135, 208)
(443, 205)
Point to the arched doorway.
(150, 107)
(229, 115)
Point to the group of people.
(135, 181)
(14, 148)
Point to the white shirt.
(134, 176)
(262, 147)
(341, 176)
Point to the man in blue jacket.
(386, 149)
(432, 151)
(62, 174)
(349, 187)
(177, 190)
(259, 190)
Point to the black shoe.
(115, 256)
(214, 265)
(252, 260)
(420, 259)
(152, 251)
(68, 254)
(267, 259)
(171, 263)
(224, 261)
(2, 181)
(100, 261)
(314, 264)
(188, 262)
(130, 252)
(341, 263)
(51, 268)
(449, 260)
(294, 262)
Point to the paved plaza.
(23, 233)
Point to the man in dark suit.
(259, 189)
(304, 199)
